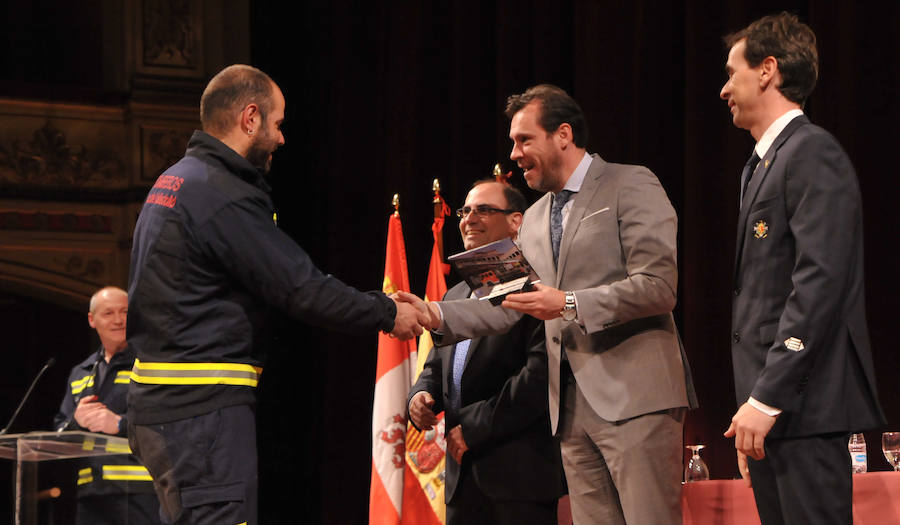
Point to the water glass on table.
(696, 469)
(890, 445)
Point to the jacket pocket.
(767, 333)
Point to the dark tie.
(559, 200)
(459, 364)
(749, 168)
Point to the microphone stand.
(47, 365)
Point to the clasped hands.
(422, 415)
(94, 416)
(414, 314)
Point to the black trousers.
(804, 481)
(204, 468)
(470, 506)
(117, 509)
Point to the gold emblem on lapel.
(760, 229)
(766, 165)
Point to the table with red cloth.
(876, 501)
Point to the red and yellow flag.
(395, 496)
(426, 450)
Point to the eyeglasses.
(481, 210)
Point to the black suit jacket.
(503, 413)
(800, 341)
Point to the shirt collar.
(775, 129)
(577, 178)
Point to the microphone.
(47, 365)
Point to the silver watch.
(568, 312)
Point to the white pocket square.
(595, 213)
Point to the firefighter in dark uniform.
(114, 490)
(207, 263)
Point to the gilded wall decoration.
(169, 33)
(48, 159)
(55, 222)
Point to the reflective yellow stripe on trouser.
(195, 374)
(126, 473)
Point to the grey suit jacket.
(618, 254)
(800, 341)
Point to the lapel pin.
(760, 229)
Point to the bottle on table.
(857, 448)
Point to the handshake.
(413, 315)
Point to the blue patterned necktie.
(459, 363)
(559, 200)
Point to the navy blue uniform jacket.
(207, 263)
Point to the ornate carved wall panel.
(63, 252)
(73, 175)
(46, 145)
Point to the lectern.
(33, 447)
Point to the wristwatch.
(568, 312)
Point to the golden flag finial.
(499, 176)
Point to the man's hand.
(420, 411)
(456, 445)
(546, 303)
(749, 428)
(94, 416)
(743, 468)
(429, 310)
(409, 320)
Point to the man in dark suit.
(503, 464)
(602, 239)
(800, 346)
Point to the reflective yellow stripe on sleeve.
(123, 377)
(115, 448)
(85, 476)
(79, 385)
(126, 473)
(195, 374)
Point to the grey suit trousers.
(641, 456)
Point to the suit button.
(737, 292)
(556, 340)
(736, 337)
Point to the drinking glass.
(890, 445)
(696, 469)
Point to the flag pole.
(438, 204)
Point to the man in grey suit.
(503, 464)
(803, 369)
(602, 240)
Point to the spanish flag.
(395, 496)
(425, 451)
